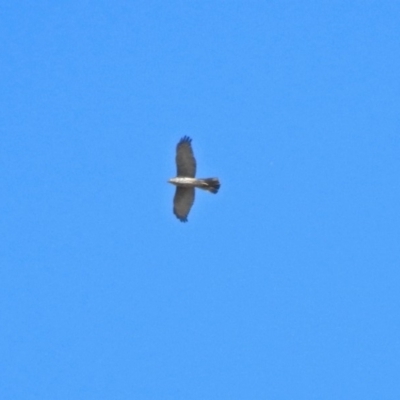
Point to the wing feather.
(183, 201)
(185, 161)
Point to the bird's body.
(210, 184)
(185, 180)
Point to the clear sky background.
(284, 285)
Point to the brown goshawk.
(185, 180)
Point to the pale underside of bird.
(185, 180)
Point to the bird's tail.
(210, 184)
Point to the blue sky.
(284, 285)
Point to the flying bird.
(185, 180)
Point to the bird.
(185, 180)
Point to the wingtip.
(182, 219)
(185, 139)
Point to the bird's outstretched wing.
(185, 161)
(183, 201)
